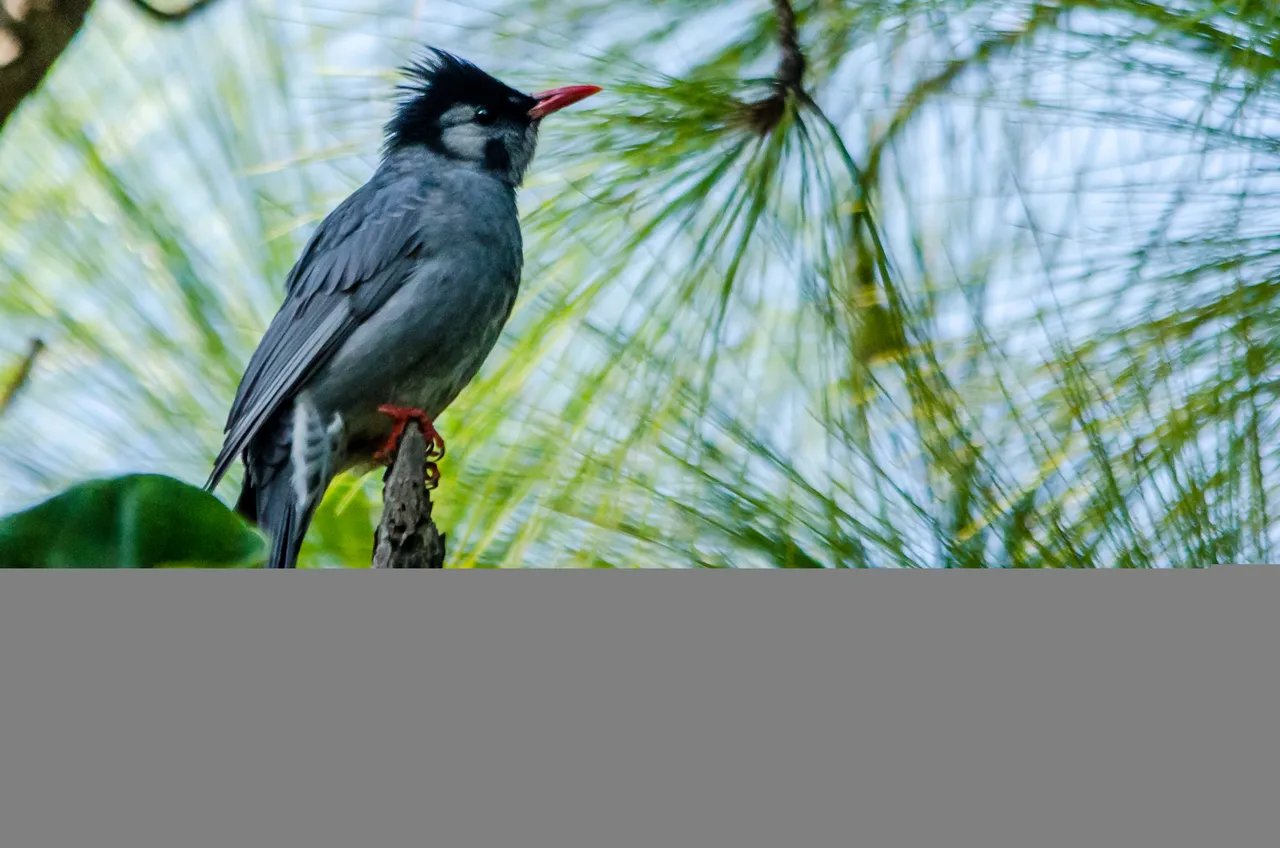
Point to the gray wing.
(361, 253)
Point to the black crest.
(438, 81)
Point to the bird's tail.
(247, 505)
(282, 496)
(286, 529)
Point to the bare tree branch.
(161, 16)
(33, 34)
(406, 536)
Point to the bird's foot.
(400, 416)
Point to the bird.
(396, 300)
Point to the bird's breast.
(419, 350)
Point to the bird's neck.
(423, 157)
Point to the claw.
(400, 416)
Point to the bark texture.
(406, 536)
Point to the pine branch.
(791, 66)
(764, 115)
(406, 535)
(941, 81)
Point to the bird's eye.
(484, 117)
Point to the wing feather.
(360, 254)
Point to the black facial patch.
(438, 82)
(496, 157)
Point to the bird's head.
(456, 109)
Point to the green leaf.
(136, 521)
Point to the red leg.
(400, 416)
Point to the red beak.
(558, 98)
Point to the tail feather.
(287, 475)
(247, 505)
(286, 531)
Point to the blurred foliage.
(996, 296)
(137, 521)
